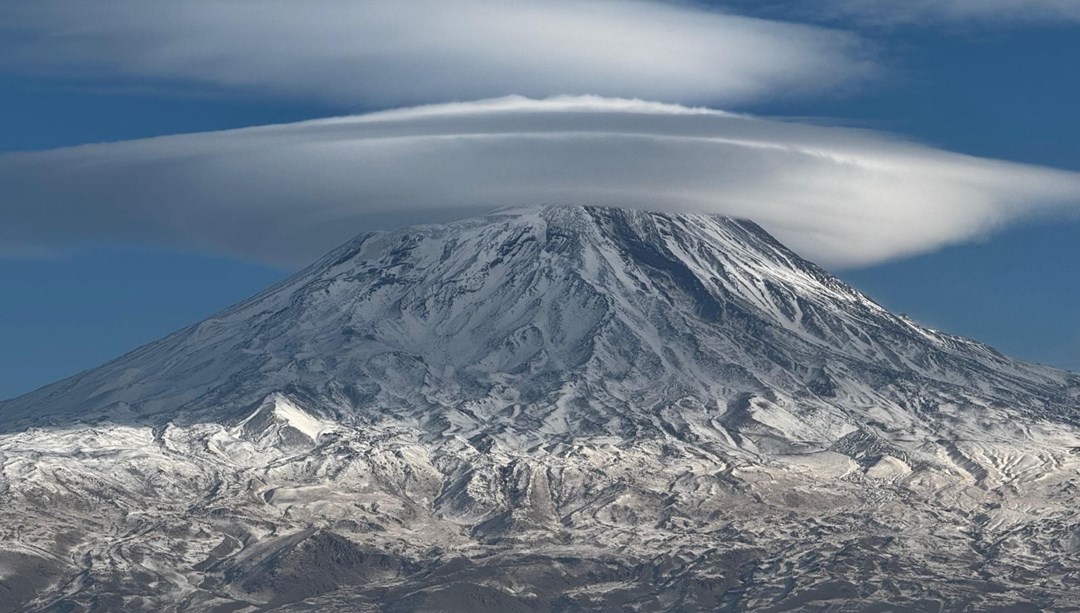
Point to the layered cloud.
(287, 193)
(374, 53)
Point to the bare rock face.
(554, 409)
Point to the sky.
(160, 161)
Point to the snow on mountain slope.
(546, 311)
(553, 408)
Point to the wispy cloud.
(287, 193)
(376, 53)
(953, 11)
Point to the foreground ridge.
(558, 408)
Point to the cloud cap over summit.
(286, 193)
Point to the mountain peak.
(633, 407)
(280, 421)
(549, 322)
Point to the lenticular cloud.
(379, 53)
(287, 193)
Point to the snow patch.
(279, 411)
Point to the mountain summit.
(556, 322)
(562, 408)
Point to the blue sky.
(986, 85)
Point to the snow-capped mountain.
(562, 408)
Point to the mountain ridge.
(560, 408)
(686, 283)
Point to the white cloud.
(386, 53)
(287, 193)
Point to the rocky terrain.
(553, 409)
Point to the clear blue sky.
(1001, 90)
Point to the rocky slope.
(564, 408)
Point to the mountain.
(561, 408)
